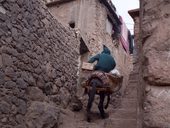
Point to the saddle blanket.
(110, 81)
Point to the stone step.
(130, 99)
(124, 113)
(133, 81)
(131, 86)
(120, 123)
(128, 104)
(135, 70)
(130, 91)
(134, 74)
(131, 96)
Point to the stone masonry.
(137, 71)
(38, 65)
(155, 28)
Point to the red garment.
(124, 35)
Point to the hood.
(105, 50)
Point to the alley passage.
(121, 117)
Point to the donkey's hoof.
(105, 115)
(106, 106)
(88, 116)
(88, 119)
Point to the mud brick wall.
(38, 65)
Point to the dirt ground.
(72, 119)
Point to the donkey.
(96, 87)
(94, 83)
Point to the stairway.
(125, 116)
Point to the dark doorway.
(72, 24)
(83, 47)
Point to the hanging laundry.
(124, 35)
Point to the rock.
(14, 32)
(35, 94)
(22, 107)
(4, 107)
(19, 93)
(9, 72)
(58, 83)
(65, 97)
(40, 82)
(21, 83)
(35, 63)
(10, 84)
(14, 109)
(2, 10)
(2, 76)
(26, 76)
(56, 99)
(20, 119)
(2, 1)
(76, 104)
(7, 60)
(20, 126)
(42, 114)
(38, 70)
(147, 89)
(8, 50)
(4, 120)
(50, 71)
(1, 64)
(48, 88)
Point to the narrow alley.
(44, 45)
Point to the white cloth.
(115, 72)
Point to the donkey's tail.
(91, 94)
(108, 100)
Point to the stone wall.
(137, 70)
(156, 62)
(38, 65)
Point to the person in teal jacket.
(105, 62)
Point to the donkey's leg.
(100, 106)
(108, 100)
(91, 94)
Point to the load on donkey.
(101, 81)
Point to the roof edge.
(134, 12)
(112, 11)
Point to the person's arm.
(94, 58)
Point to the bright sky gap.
(122, 7)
